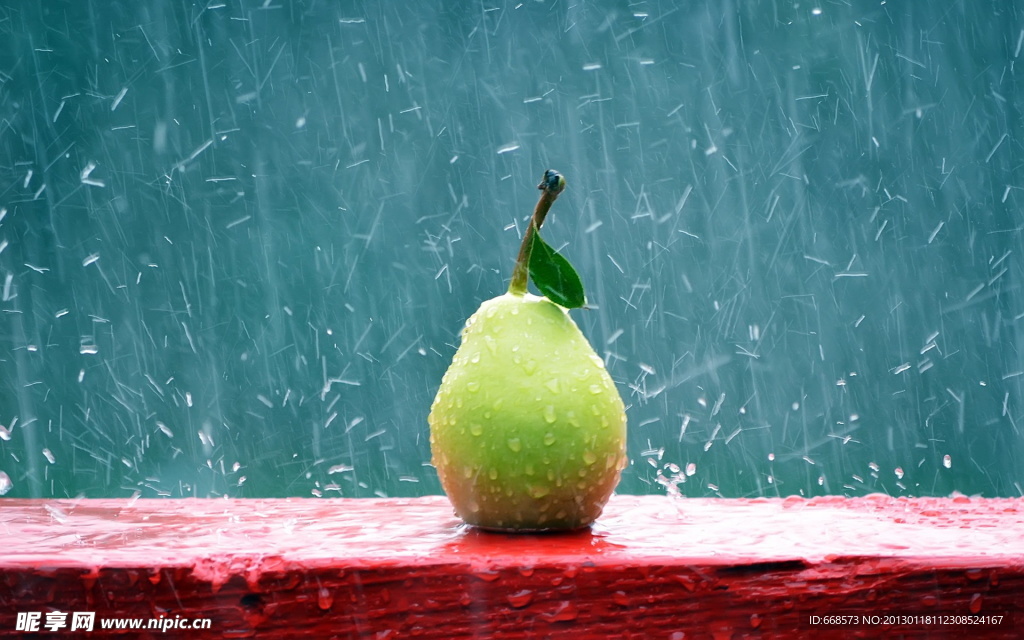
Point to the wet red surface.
(651, 567)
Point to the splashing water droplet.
(553, 385)
(515, 445)
(589, 458)
(549, 439)
(947, 461)
(549, 414)
(476, 429)
(595, 389)
(473, 387)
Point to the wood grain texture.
(651, 567)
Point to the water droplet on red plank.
(521, 598)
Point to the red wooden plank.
(652, 567)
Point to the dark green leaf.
(554, 276)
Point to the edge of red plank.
(650, 567)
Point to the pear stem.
(551, 185)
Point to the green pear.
(527, 431)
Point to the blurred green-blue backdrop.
(238, 239)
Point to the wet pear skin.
(527, 430)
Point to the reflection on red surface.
(470, 541)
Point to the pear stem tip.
(551, 185)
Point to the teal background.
(238, 239)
